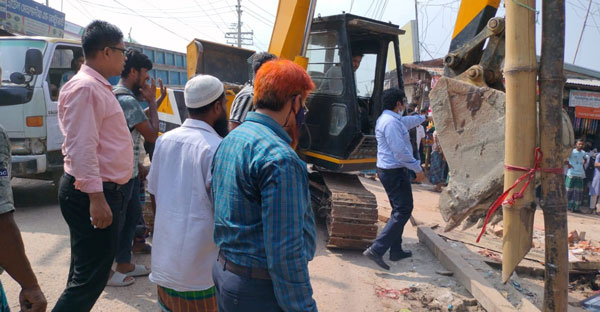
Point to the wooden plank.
(475, 283)
(339, 242)
(355, 213)
(489, 243)
(342, 229)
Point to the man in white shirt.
(179, 181)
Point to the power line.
(582, 29)
(186, 10)
(261, 17)
(369, 9)
(196, 1)
(258, 6)
(151, 21)
(179, 20)
(170, 17)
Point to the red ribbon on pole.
(528, 177)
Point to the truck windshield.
(12, 55)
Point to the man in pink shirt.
(98, 165)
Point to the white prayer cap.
(202, 90)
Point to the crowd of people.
(582, 170)
(233, 228)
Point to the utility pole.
(554, 198)
(582, 29)
(238, 36)
(417, 28)
(239, 23)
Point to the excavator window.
(365, 75)
(324, 65)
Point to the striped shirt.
(242, 104)
(263, 217)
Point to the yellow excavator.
(338, 137)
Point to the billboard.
(586, 103)
(27, 17)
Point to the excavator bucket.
(469, 120)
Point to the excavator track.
(349, 209)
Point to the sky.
(173, 24)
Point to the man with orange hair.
(264, 225)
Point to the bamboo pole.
(553, 202)
(520, 71)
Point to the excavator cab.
(339, 132)
(343, 109)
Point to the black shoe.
(377, 259)
(401, 255)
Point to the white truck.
(32, 70)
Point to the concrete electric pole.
(238, 37)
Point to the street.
(342, 280)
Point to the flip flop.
(118, 280)
(147, 249)
(140, 270)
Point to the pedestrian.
(242, 103)
(98, 164)
(179, 183)
(131, 89)
(595, 185)
(575, 176)
(438, 164)
(12, 257)
(264, 224)
(394, 161)
(421, 136)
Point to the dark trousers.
(92, 250)
(236, 293)
(396, 183)
(128, 222)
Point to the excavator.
(338, 137)
(337, 141)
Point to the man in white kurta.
(183, 251)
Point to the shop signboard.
(586, 103)
(27, 17)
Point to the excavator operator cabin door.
(332, 120)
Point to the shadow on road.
(34, 193)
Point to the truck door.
(64, 63)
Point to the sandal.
(146, 249)
(118, 280)
(140, 270)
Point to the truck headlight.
(33, 146)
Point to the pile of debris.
(420, 298)
(582, 250)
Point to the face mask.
(300, 117)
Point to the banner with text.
(27, 17)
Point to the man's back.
(263, 217)
(180, 181)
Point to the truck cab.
(33, 69)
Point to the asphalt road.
(342, 280)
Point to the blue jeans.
(243, 294)
(396, 183)
(128, 222)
